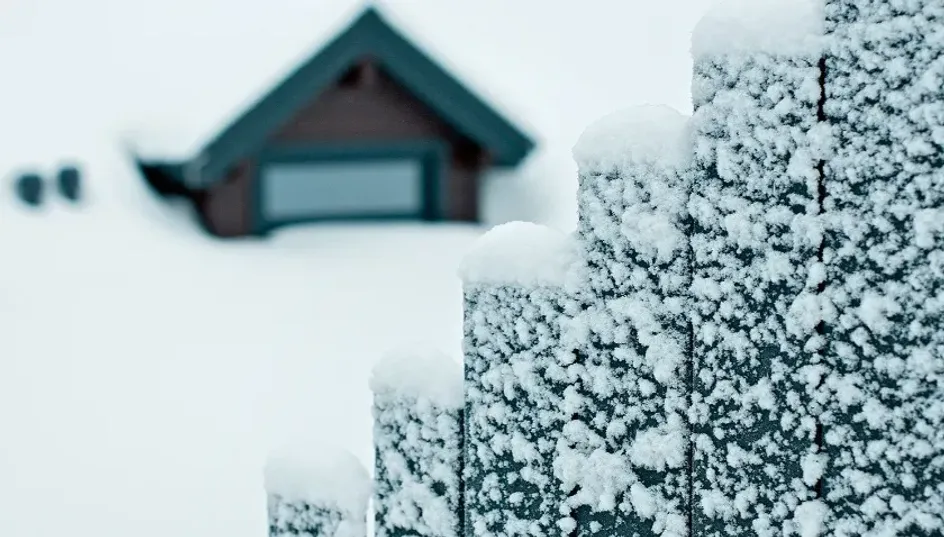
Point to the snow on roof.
(422, 372)
(320, 475)
(787, 27)
(520, 253)
(643, 134)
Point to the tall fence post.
(884, 431)
(757, 272)
(316, 493)
(418, 431)
(514, 283)
(624, 452)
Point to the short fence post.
(625, 454)
(418, 445)
(316, 493)
(514, 283)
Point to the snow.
(145, 377)
(810, 518)
(652, 134)
(321, 476)
(519, 253)
(145, 369)
(779, 27)
(419, 372)
(884, 184)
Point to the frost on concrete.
(418, 444)
(885, 268)
(776, 27)
(316, 492)
(515, 406)
(623, 453)
(755, 288)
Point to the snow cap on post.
(648, 135)
(776, 27)
(420, 373)
(325, 478)
(522, 254)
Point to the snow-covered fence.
(757, 270)
(746, 334)
(418, 445)
(884, 431)
(624, 456)
(316, 493)
(514, 283)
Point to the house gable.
(369, 37)
(366, 118)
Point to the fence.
(746, 334)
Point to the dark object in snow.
(370, 128)
(69, 183)
(29, 188)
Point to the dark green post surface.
(885, 255)
(755, 238)
(514, 412)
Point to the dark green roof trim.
(370, 35)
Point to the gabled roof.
(368, 36)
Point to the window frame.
(430, 154)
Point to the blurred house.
(368, 128)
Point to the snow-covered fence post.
(316, 493)
(757, 272)
(418, 445)
(514, 283)
(884, 431)
(623, 457)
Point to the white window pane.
(301, 190)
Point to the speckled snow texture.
(293, 518)
(777, 27)
(623, 454)
(418, 442)
(756, 235)
(316, 492)
(885, 258)
(514, 410)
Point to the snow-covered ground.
(140, 361)
(146, 369)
